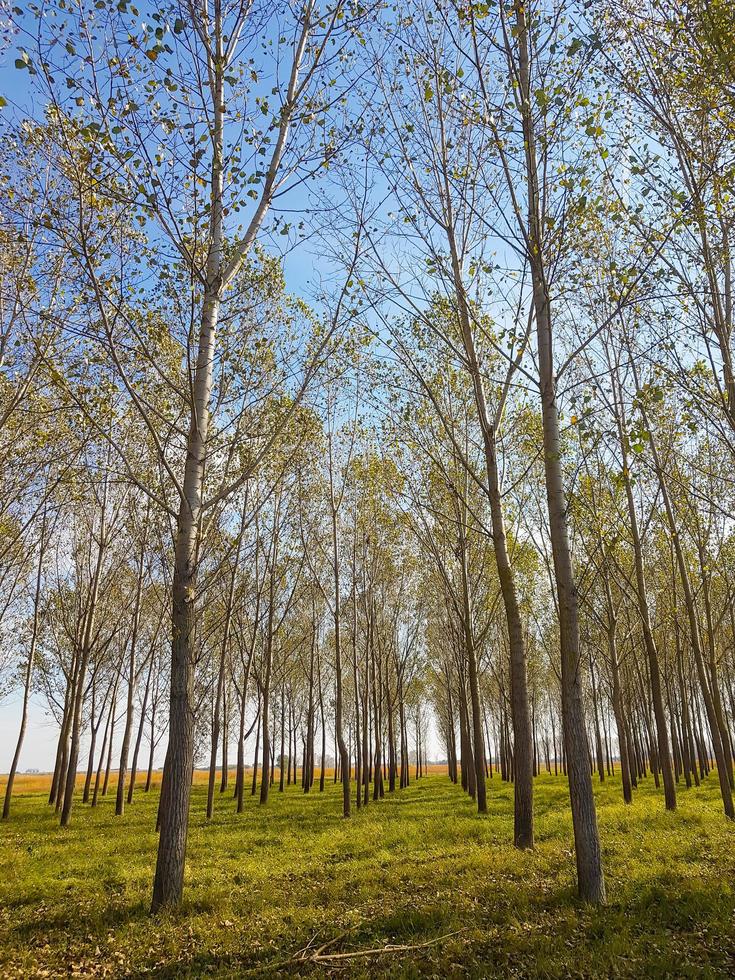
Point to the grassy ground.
(415, 867)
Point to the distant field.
(419, 867)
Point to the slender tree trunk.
(338, 707)
(356, 686)
(93, 729)
(265, 719)
(105, 741)
(722, 773)
(712, 671)
(139, 736)
(168, 883)
(650, 643)
(618, 711)
(87, 640)
(55, 791)
(28, 673)
(151, 752)
(391, 742)
(478, 746)
(256, 754)
(596, 717)
(225, 777)
(108, 766)
(127, 732)
(281, 773)
(523, 787)
(590, 877)
(309, 753)
(323, 771)
(221, 670)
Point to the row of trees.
(481, 465)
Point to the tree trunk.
(221, 672)
(478, 746)
(522, 741)
(722, 773)
(28, 673)
(139, 736)
(281, 773)
(87, 639)
(105, 740)
(127, 732)
(643, 608)
(591, 882)
(256, 755)
(338, 707)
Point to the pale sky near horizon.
(39, 745)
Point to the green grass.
(414, 867)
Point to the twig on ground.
(319, 956)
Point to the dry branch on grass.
(319, 955)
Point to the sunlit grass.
(416, 866)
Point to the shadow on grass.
(51, 926)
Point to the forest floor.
(420, 867)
